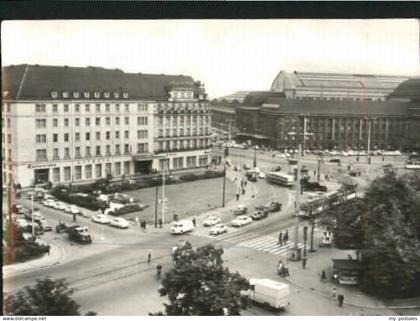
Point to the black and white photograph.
(222, 167)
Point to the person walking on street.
(137, 221)
(334, 294)
(149, 256)
(323, 276)
(158, 271)
(286, 236)
(237, 196)
(340, 300)
(160, 223)
(194, 221)
(243, 191)
(280, 238)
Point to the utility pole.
(163, 192)
(295, 251)
(224, 184)
(32, 214)
(156, 205)
(255, 156)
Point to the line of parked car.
(119, 222)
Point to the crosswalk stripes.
(269, 244)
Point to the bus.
(413, 164)
(280, 179)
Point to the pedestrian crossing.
(238, 236)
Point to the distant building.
(68, 124)
(334, 123)
(334, 86)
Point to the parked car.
(119, 222)
(246, 167)
(67, 208)
(101, 218)
(218, 229)
(281, 156)
(44, 224)
(258, 215)
(74, 209)
(21, 223)
(261, 175)
(240, 209)
(60, 206)
(270, 207)
(49, 202)
(211, 220)
(335, 160)
(276, 168)
(241, 221)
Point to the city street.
(113, 271)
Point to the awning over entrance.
(140, 157)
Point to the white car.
(261, 175)
(241, 221)
(44, 224)
(101, 218)
(119, 222)
(281, 156)
(22, 223)
(67, 208)
(74, 209)
(60, 206)
(211, 220)
(240, 209)
(49, 202)
(218, 229)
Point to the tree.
(391, 245)
(198, 284)
(47, 297)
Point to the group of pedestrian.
(283, 237)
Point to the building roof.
(37, 82)
(311, 83)
(224, 109)
(408, 89)
(279, 105)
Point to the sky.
(227, 55)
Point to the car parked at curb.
(241, 221)
(240, 210)
(119, 222)
(259, 215)
(101, 219)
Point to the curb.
(352, 304)
(33, 264)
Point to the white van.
(270, 293)
(181, 227)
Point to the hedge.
(89, 202)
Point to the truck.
(269, 293)
(79, 234)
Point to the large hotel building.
(343, 111)
(70, 125)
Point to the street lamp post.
(255, 156)
(32, 214)
(224, 185)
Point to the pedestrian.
(237, 196)
(304, 263)
(74, 218)
(245, 183)
(49, 250)
(243, 191)
(158, 270)
(149, 256)
(137, 221)
(323, 276)
(286, 236)
(194, 222)
(160, 223)
(334, 292)
(280, 238)
(383, 158)
(340, 300)
(314, 173)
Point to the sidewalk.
(309, 280)
(47, 260)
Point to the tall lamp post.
(255, 156)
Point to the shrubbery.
(89, 202)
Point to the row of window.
(41, 154)
(88, 171)
(42, 138)
(181, 119)
(188, 132)
(87, 94)
(42, 123)
(184, 144)
(42, 108)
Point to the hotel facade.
(74, 125)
